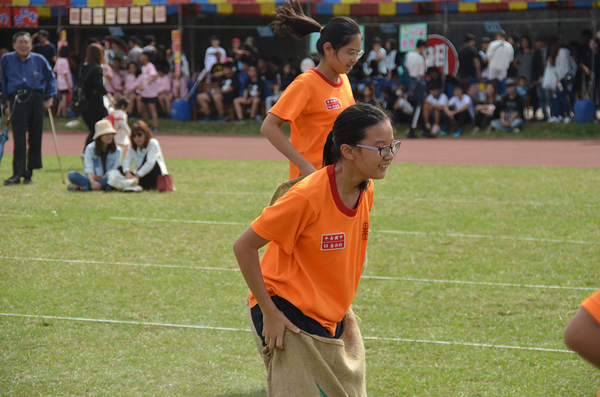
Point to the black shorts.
(228, 98)
(297, 318)
(65, 92)
(150, 100)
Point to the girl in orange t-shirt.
(583, 332)
(317, 233)
(312, 102)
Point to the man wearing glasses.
(28, 87)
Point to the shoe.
(476, 130)
(443, 133)
(567, 120)
(553, 120)
(457, 132)
(154, 130)
(108, 188)
(411, 134)
(560, 119)
(13, 180)
(75, 188)
(258, 118)
(489, 129)
(515, 130)
(435, 129)
(427, 134)
(136, 188)
(27, 180)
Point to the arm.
(271, 128)
(582, 335)
(151, 156)
(246, 251)
(477, 65)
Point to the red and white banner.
(110, 15)
(123, 15)
(135, 15)
(74, 15)
(98, 16)
(147, 14)
(160, 14)
(86, 16)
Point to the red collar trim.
(336, 195)
(331, 83)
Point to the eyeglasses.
(355, 54)
(384, 150)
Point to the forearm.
(91, 177)
(272, 130)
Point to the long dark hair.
(110, 149)
(339, 31)
(94, 54)
(350, 128)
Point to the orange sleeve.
(284, 221)
(592, 305)
(292, 102)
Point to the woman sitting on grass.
(149, 161)
(101, 156)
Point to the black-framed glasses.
(384, 150)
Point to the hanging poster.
(98, 16)
(86, 16)
(5, 16)
(123, 15)
(25, 16)
(410, 34)
(74, 15)
(135, 15)
(110, 16)
(147, 14)
(160, 14)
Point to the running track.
(461, 151)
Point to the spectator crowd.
(501, 84)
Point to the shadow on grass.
(257, 393)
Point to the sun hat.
(103, 127)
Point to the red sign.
(25, 16)
(442, 54)
(333, 103)
(5, 16)
(330, 242)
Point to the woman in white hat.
(101, 156)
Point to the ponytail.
(331, 152)
(338, 32)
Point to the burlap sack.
(315, 366)
(283, 188)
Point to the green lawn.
(457, 254)
(540, 130)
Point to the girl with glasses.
(317, 236)
(311, 103)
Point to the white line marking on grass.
(18, 215)
(203, 327)
(119, 263)
(177, 221)
(533, 239)
(421, 280)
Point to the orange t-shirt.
(317, 247)
(592, 305)
(311, 103)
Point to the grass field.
(492, 260)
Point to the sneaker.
(553, 120)
(457, 132)
(475, 130)
(560, 119)
(515, 130)
(136, 188)
(435, 129)
(411, 134)
(489, 129)
(258, 118)
(154, 130)
(427, 134)
(443, 133)
(567, 120)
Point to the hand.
(7, 110)
(48, 103)
(138, 177)
(505, 123)
(274, 326)
(95, 185)
(128, 175)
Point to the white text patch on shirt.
(333, 103)
(330, 242)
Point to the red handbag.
(164, 183)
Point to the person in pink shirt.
(117, 81)
(64, 80)
(165, 97)
(149, 90)
(180, 87)
(130, 88)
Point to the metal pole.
(62, 176)
(592, 90)
(180, 19)
(445, 67)
(59, 24)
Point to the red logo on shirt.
(333, 103)
(330, 242)
(365, 231)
